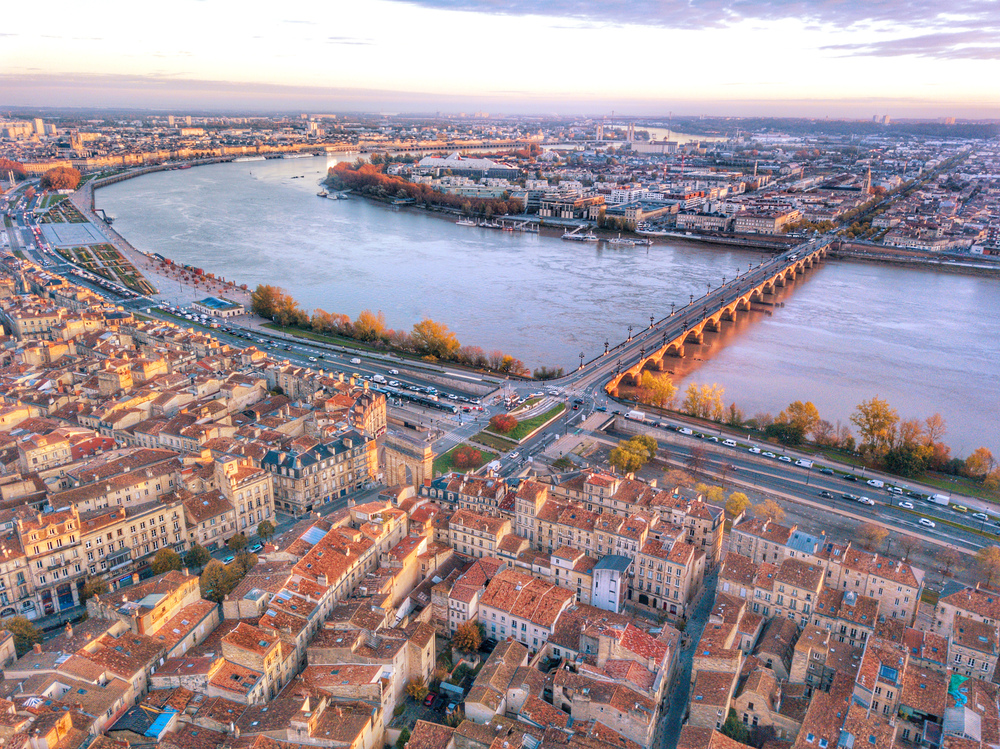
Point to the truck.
(636, 415)
(939, 499)
(379, 379)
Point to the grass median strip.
(523, 428)
(444, 462)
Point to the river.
(926, 342)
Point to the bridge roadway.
(645, 350)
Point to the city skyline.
(814, 59)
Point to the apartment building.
(53, 552)
(476, 535)
(121, 541)
(316, 475)
(522, 607)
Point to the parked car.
(439, 702)
(228, 559)
(452, 707)
(255, 548)
(927, 523)
(429, 699)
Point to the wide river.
(927, 342)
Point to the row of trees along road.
(429, 339)
(904, 447)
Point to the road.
(581, 391)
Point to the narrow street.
(673, 718)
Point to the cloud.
(970, 44)
(348, 40)
(703, 14)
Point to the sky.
(816, 58)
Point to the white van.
(355, 360)
(394, 371)
(802, 463)
(684, 430)
(729, 443)
(877, 483)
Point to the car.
(394, 383)
(513, 454)
(959, 508)
(733, 467)
(866, 501)
(755, 450)
(452, 706)
(452, 396)
(927, 523)
(980, 516)
(685, 430)
(769, 454)
(439, 702)
(802, 463)
(906, 505)
(784, 459)
(894, 490)
(853, 497)
(395, 372)
(429, 699)
(228, 559)
(849, 477)
(312, 358)
(729, 443)
(576, 406)
(825, 493)
(255, 548)
(578, 401)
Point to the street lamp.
(672, 305)
(723, 280)
(630, 332)
(651, 321)
(581, 360)
(605, 347)
(708, 288)
(692, 299)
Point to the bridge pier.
(695, 336)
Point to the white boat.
(248, 158)
(466, 222)
(619, 242)
(572, 235)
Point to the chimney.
(69, 629)
(185, 572)
(38, 648)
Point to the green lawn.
(959, 485)
(522, 430)
(497, 443)
(443, 464)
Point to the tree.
(468, 637)
(217, 580)
(434, 339)
(734, 729)
(370, 326)
(907, 544)
(197, 557)
(802, 416)
(934, 428)
(788, 434)
(950, 558)
(988, 562)
(417, 688)
(907, 460)
(658, 390)
(265, 530)
(737, 504)
(876, 421)
(769, 510)
(61, 178)
(873, 535)
(25, 633)
(404, 735)
(632, 454)
(237, 543)
(824, 433)
(980, 463)
(704, 401)
(264, 300)
(95, 586)
(166, 560)
(6, 165)
(649, 443)
(466, 457)
(696, 459)
(503, 423)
